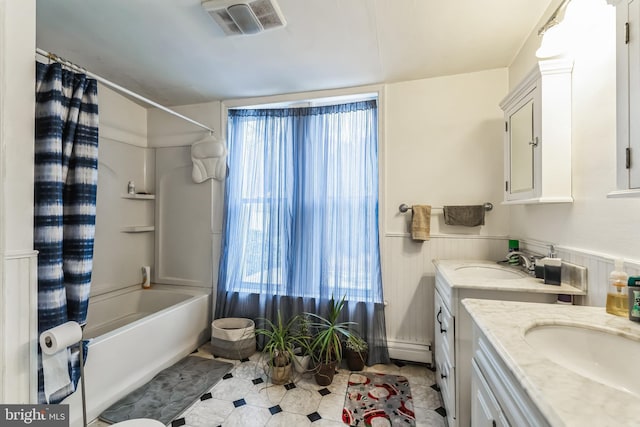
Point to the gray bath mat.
(170, 392)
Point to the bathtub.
(135, 334)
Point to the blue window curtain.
(66, 174)
(301, 216)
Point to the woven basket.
(233, 338)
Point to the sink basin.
(596, 354)
(490, 272)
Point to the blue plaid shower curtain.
(66, 175)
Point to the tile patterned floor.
(246, 397)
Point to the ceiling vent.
(245, 17)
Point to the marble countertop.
(526, 283)
(565, 398)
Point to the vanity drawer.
(446, 379)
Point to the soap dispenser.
(617, 299)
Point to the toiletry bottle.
(617, 299)
(634, 298)
(514, 246)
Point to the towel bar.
(488, 206)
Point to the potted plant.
(280, 340)
(357, 352)
(301, 352)
(326, 344)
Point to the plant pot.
(324, 372)
(280, 374)
(301, 363)
(356, 360)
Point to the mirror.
(521, 148)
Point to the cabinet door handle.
(493, 423)
(443, 376)
(442, 331)
(534, 143)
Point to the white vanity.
(552, 365)
(459, 279)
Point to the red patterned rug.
(378, 400)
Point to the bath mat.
(170, 392)
(378, 400)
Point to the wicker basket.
(233, 338)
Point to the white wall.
(123, 157)
(593, 223)
(18, 287)
(442, 146)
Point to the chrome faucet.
(525, 260)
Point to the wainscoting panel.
(409, 284)
(21, 331)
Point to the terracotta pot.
(324, 372)
(356, 360)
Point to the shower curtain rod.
(121, 89)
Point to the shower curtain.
(66, 174)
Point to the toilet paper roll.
(146, 276)
(60, 337)
(55, 355)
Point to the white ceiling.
(172, 52)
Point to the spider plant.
(280, 340)
(326, 345)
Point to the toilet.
(139, 422)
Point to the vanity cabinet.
(485, 409)
(444, 354)
(537, 136)
(498, 399)
(452, 352)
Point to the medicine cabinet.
(627, 97)
(537, 136)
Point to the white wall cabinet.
(627, 97)
(537, 141)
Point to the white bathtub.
(135, 334)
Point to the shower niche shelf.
(139, 196)
(138, 229)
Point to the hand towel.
(468, 216)
(420, 222)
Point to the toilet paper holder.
(47, 343)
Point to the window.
(302, 202)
